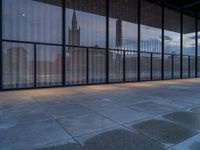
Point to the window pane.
(116, 66)
(18, 65)
(131, 66)
(32, 20)
(188, 46)
(86, 23)
(97, 65)
(172, 43)
(123, 35)
(151, 35)
(76, 68)
(198, 70)
(49, 65)
(123, 27)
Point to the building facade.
(50, 43)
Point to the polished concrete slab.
(152, 107)
(121, 139)
(31, 135)
(87, 123)
(67, 110)
(164, 131)
(192, 143)
(188, 119)
(144, 116)
(69, 146)
(124, 115)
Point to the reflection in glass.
(188, 46)
(49, 65)
(151, 35)
(123, 28)
(156, 66)
(198, 50)
(172, 46)
(86, 23)
(97, 65)
(76, 68)
(131, 65)
(32, 20)
(145, 66)
(18, 65)
(116, 66)
(123, 35)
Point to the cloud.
(167, 38)
(193, 37)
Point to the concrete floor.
(154, 115)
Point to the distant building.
(119, 33)
(74, 32)
(17, 68)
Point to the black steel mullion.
(1, 51)
(151, 68)
(181, 47)
(139, 38)
(87, 65)
(196, 47)
(163, 42)
(35, 65)
(189, 66)
(63, 42)
(107, 41)
(172, 66)
(124, 66)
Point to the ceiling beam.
(191, 4)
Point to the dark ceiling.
(190, 6)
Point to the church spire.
(74, 19)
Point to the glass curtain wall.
(188, 46)
(32, 21)
(33, 54)
(198, 50)
(123, 39)
(172, 41)
(85, 26)
(150, 44)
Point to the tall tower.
(74, 32)
(119, 33)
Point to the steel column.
(151, 59)
(172, 66)
(107, 40)
(139, 21)
(163, 42)
(35, 65)
(181, 50)
(87, 65)
(1, 51)
(189, 66)
(124, 66)
(63, 42)
(196, 48)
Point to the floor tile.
(16, 118)
(87, 123)
(188, 119)
(164, 131)
(192, 143)
(152, 108)
(67, 110)
(28, 136)
(119, 139)
(124, 115)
